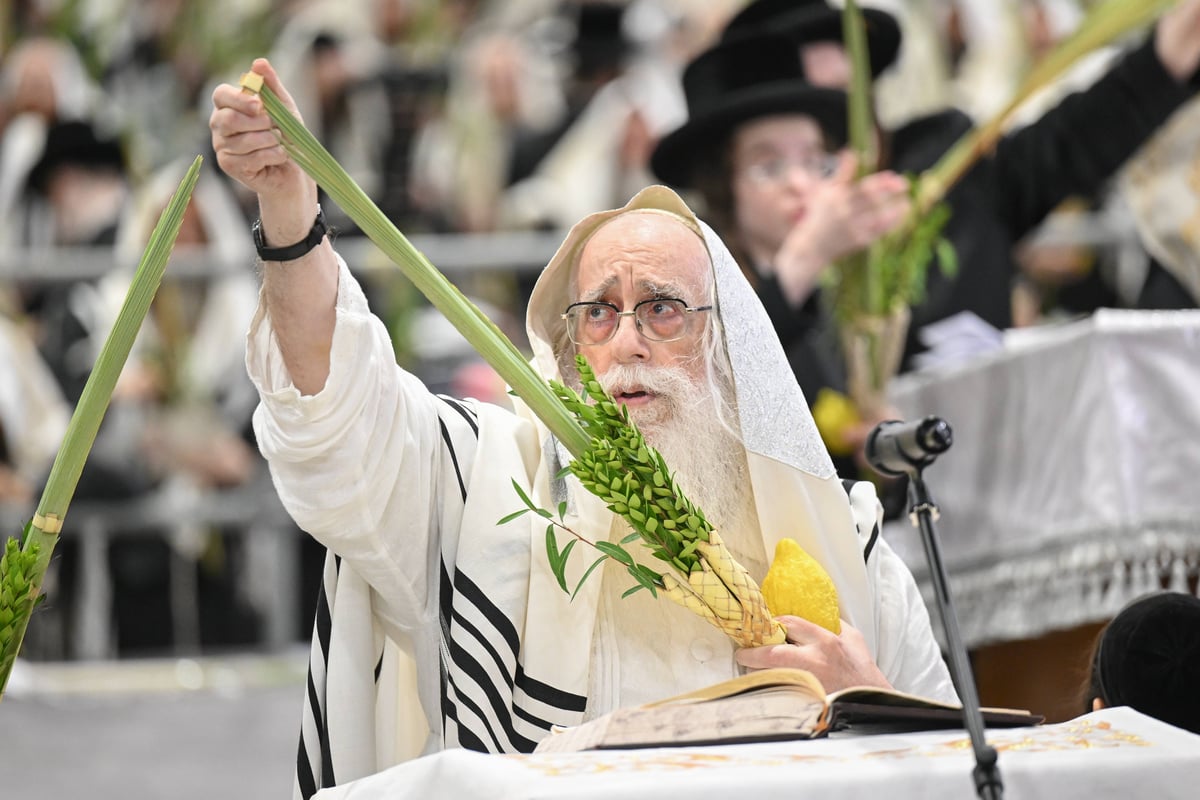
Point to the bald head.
(645, 239)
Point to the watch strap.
(292, 251)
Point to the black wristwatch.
(292, 251)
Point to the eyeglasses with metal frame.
(659, 319)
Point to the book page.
(764, 714)
(766, 705)
(799, 679)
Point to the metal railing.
(251, 511)
(254, 511)
(455, 255)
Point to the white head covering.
(797, 493)
(1162, 186)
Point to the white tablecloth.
(1073, 484)
(1116, 753)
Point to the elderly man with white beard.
(438, 627)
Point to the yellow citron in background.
(836, 417)
(796, 585)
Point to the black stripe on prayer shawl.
(871, 542)
(466, 667)
(849, 485)
(304, 775)
(458, 734)
(445, 606)
(451, 697)
(548, 694)
(315, 697)
(495, 616)
(500, 698)
(464, 737)
(462, 487)
(462, 408)
(469, 668)
(324, 626)
(479, 711)
(477, 671)
(534, 688)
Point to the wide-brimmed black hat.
(738, 81)
(600, 43)
(806, 21)
(75, 143)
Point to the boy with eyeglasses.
(775, 86)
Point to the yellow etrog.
(836, 417)
(798, 586)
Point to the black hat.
(600, 43)
(1149, 658)
(738, 81)
(74, 143)
(805, 21)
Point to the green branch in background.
(890, 275)
(1107, 21)
(23, 565)
(861, 116)
(482, 334)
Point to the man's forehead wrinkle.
(661, 288)
(648, 288)
(593, 294)
(658, 254)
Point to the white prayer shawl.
(406, 488)
(1162, 186)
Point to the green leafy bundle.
(635, 483)
(24, 565)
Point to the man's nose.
(628, 344)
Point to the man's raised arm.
(300, 293)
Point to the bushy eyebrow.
(648, 288)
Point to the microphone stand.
(898, 449)
(923, 512)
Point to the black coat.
(1070, 151)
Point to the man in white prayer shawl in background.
(439, 628)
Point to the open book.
(767, 705)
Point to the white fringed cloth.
(1073, 485)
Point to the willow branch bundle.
(24, 562)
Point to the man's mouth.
(633, 397)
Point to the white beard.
(706, 457)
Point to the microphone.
(897, 448)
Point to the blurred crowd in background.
(457, 117)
